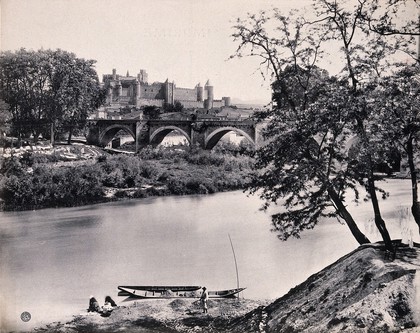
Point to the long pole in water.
(236, 264)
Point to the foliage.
(151, 112)
(48, 87)
(176, 107)
(400, 124)
(322, 135)
(5, 118)
(156, 171)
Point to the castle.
(131, 91)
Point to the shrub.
(172, 172)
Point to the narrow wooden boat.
(154, 289)
(229, 293)
(168, 293)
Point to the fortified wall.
(136, 91)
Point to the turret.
(169, 92)
(209, 92)
(227, 101)
(200, 92)
(119, 88)
(136, 91)
(142, 76)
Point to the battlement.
(135, 90)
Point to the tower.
(119, 87)
(199, 89)
(136, 91)
(208, 103)
(169, 92)
(227, 101)
(142, 76)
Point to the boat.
(151, 292)
(229, 293)
(153, 289)
(142, 292)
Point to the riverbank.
(163, 315)
(80, 175)
(361, 292)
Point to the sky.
(187, 41)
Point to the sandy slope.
(364, 291)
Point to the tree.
(24, 87)
(5, 118)
(75, 86)
(151, 112)
(295, 165)
(48, 87)
(176, 107)
(314, 120)
(366, 55)
(400, 117)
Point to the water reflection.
(90, 221)
(53, 259)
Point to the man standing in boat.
(204, 297)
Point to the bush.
(172, 172)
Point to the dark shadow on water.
(78, 222)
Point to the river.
(52, 260)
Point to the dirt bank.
(364, 291)
(162, 315)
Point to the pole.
(236, 264)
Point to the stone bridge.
(205, 133)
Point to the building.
(136, 91)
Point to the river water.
(52, 260)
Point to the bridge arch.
(109, 133)
(159, 134)
(214, 137)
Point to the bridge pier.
(93, 135)
(142, 135)
(198, 135)
(205, 134)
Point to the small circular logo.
(25, 316)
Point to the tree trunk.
(379, 222)
(415, 208)
(52, 129)
(70, 135)
(344, 213)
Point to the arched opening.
(228, 136)
(170, 136)
(118, 136)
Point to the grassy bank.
(39, 180)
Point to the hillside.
(362, 292)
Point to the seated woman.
(108, 307)
(94, 305)
(109, 300)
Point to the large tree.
(24, 87)
(48, 87)
(313, 123)
(400, 121)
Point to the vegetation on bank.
(36, 180)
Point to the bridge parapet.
(205, 133)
